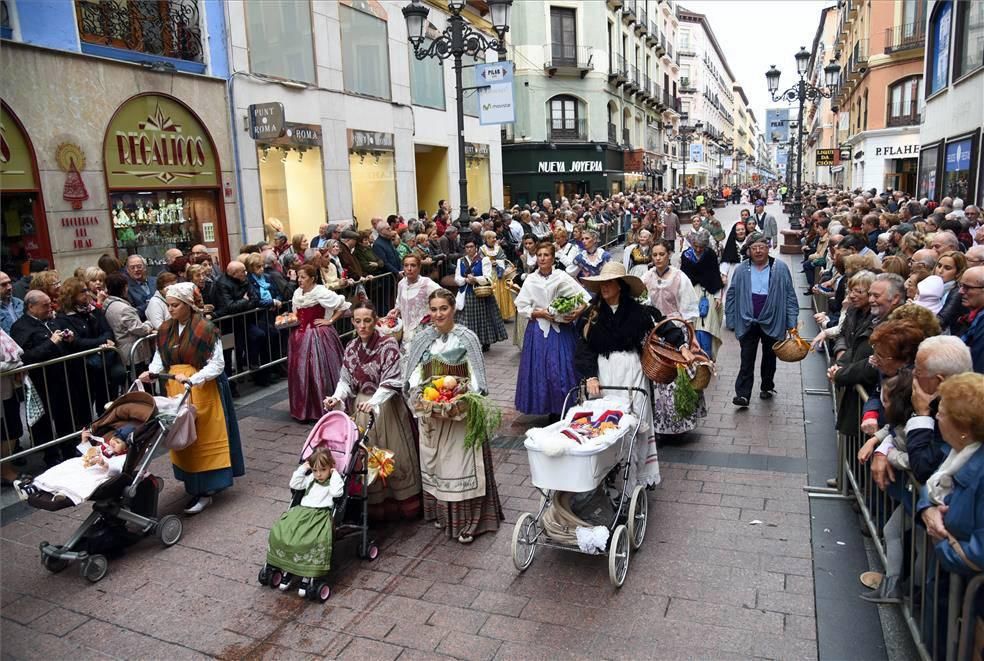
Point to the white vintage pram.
(581, 467)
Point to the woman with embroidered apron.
(500, 267)
(189, 348)
(371, 375)
(700, 264)
(592, 258)
(608, 353)
(411, 298)
(460, 495)
(638, 258)
(671, 293)
(479, 314)
(314, 356)
(546, 366)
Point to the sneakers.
(740, 401)
(767, 394)
(302, 591)
(197, 504)
(24, 488)
(889, 592)
(285, 582)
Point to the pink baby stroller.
(339, 434)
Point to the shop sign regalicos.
(495, 102)
(156, 142)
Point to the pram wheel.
(52, 564)
(372, 552)
(275, 577)
(524, 541)
(618, 556)
(638, 514)
(169, 530)
(94, 568)
(319, 591)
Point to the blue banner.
(697, 153)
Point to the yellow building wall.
(432, 178)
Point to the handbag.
(34, 407)
(703, 306)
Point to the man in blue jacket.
(761, 306)
(384, 249)
(140, 287)
(971, 290)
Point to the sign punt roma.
(156, 142)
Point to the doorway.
(900, 174)
(431, 168)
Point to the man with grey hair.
(324, 233)
(975, 256)
(140, 286)
(944, 241)
(383, 248)
(971, 289)
(886, 293)
(922, 263)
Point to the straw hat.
(614, 271)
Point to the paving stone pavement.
(725, 571)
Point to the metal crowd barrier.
(939, 610)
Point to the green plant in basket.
(482, 421)
(685, 398)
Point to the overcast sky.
(756, 33)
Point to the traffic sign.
(495, 102)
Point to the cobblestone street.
(725, 571)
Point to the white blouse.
(212, 369)
(539, 292)
(156, 311)
(566, 257)
(686, 296)
(319, 295)
(319, 496)
(411, 301)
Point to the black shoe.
(740, 401)
(767, 394)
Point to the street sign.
(828, 157)
(495, 102)
(266, 120)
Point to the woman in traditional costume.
(460, 494)
(638, 258)
(369, 380)
(314, 356)
(671, 293)
(411, 297)
(592, 258)
(189, 348)
(500, 268)
(609, 350)
(700, 264)
(480, 314)
(546, 367)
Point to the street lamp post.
(458, 38)
(801, 91)
(683, 134)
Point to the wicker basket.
(395, 331)
(453, 410)
(482, 291)
(659, 358)
(793, 349)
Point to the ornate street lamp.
(683, 133)
(801, 91)
(458, 38)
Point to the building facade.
(591, 105)
(879, 46)
(712, 102)
(819, 119)
(115, 141)
(950, 136)
(370, 129)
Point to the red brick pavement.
(725, 571)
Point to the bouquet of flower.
(390, 326)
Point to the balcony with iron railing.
(569, 129)
(629, 11)
(685, 85)
(669, 51)
(671, 102)
(652, 36)
(645, 86)
(657, 94)
(612, 134)
(165, 31)
(616, 69)
(563, 59)
(904, 37)
(904, 113)
(642, 22)
(631, 78)
(626, 135)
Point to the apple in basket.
(388, 322)
(442, 389)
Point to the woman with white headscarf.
(189, 348)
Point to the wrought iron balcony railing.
(167, 28)
(904, 113)
(559, 57)
(613, 134)
(904, 37)
(571, 129)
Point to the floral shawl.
(372, 365)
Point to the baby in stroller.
(300, 541)
(74, 480)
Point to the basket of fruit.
(562, 307)
(441, 397)
(390, 327)
(286, 320)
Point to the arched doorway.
(24, 223)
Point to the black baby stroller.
(339, 434)
(129, 497)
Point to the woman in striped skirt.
(480, 314)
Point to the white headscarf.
(184, 292)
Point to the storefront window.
(426, 80)
(956, 169)
(372, 166)
(280, 40)
(148, 223)
(292, 188)
(970, 37)
(479, 184)
(939, 48)
(365, 53)
(23, 233)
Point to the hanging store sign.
(828, 157)
(266, 120)
(371, 141)
(697, 153)
(495, 102)
(16, 169)
(845, 153)
(155, 141)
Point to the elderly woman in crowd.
(50, 283)
(124, 321)
(478, 313)
(546, 366)
(700, 264)
(95, 284)
(460, 494)
(412, 294)
(315, 354)
(590, 261)
(638, 257)
(189, 348)
(369, 379)
(852, 352)
(156, 310)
